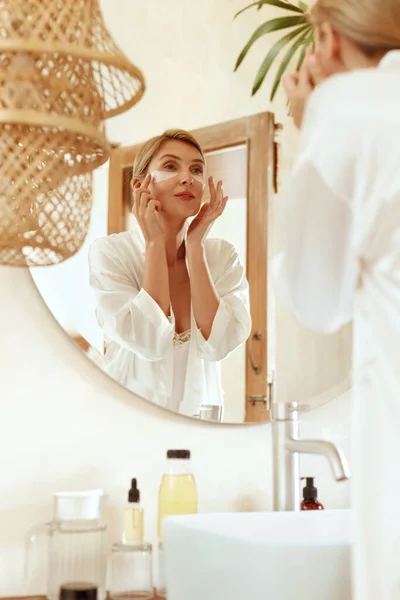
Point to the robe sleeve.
(316, 275)
(232, 322)
(127, 314)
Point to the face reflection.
(181, 193)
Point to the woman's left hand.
(298, 86)
(208, 213)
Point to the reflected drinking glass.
(211, 412)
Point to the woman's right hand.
(147, 211)
(298, 86)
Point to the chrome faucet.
(286, 461)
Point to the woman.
(342, 257)
(172, 303)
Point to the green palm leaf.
(286, 60)
(277, 3)
(269, 27)
(302, 56)
(273, 53)
(302, 37)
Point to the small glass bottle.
(133, 517)
(131, 560)
(178, 493)
(310, 496)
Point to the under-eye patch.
(158, 176)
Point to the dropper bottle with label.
(133, 517)
(310, 496)
(131, 559)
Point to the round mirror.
(241, 347)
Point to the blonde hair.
(373, 25)
(152, 146)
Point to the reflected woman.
(172, 303)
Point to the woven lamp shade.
(61, 75)
(67, 34)
(48, 229)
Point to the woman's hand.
(147, 212)
(298, 86)
(208, 213)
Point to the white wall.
(187, 52)
(67, 425)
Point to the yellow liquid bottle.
(178, 493)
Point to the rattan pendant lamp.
(61, 76)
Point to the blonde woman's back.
(342, 262)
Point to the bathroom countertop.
(155, 597)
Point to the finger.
(203, 210)
(153, 203)
(221, 196)
(223, 204)
(146, 181)
(151, 206)
(145, 198)
(143, 193)
(143, 184)
(151, 209)
(136, 189)
(309, 51)
(138, 198)
(211, 186)
(290, 83)
(305, 80)
(315, 70)
(217, 196)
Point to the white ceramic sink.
(265, 556)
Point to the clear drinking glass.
(131, 572)
(76, 548)
(161, 587)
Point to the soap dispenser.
(310, 496)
